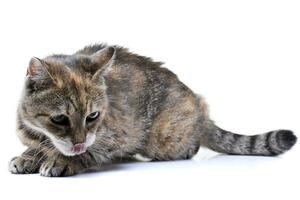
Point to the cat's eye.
(60, 120)
(91, 117)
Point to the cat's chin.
(71, 153)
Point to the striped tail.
(268, 144)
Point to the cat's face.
(66, 100)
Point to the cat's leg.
(28, 163)
(60, 165)
(175, 133)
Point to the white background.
(243, 56)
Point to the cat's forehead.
(70, 69)
(76, 62)
(79, 89)
(72, 91)
(72, 98)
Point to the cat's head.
(65, 98)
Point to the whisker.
(41, 143)
(43, 156)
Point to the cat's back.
(125, 61)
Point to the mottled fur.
(144, 109)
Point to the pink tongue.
(78, 148)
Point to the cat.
(104, 103)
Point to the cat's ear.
(37, 69)
(104, 58)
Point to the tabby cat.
(104, 103)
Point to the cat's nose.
(78, 148)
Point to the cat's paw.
(21, 165)
(56, 168)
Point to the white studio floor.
(206, 176)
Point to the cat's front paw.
(22, 165)
(56, 168)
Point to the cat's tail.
(268, 144)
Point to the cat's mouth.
(79, 148)
(66, 147)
